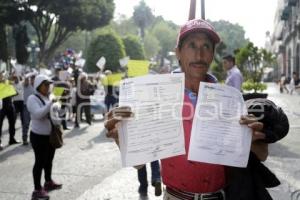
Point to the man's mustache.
(200, 62)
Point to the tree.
(232, 35)
(217, 66)
(22, 40)
(134, 48)
(252, 61)
(108, 45)
(63, 18)
(166, 35)
(151, 46)
(125, 26)
(9, 15)
(142, 17)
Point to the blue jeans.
(26, 122)
(155, 175)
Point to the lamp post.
(33, 50)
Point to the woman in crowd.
(39, 106)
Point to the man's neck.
(230, 68)
(193, 85)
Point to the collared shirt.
(40, 123)
(188, 176)
(234, 78)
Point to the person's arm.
(37, 111)
(260, 149)
(111, 119)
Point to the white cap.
(40, 79)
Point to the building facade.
(285, 41)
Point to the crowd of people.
(39, 109)
(182, 178)
(288, 84)
(185, 179)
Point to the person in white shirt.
(18, 102)
(27, 91)
(234, 76)
(39, 106)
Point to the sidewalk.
(122, 185)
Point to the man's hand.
(112, 118)
(258, 147)
(256, 126)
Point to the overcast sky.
(256, 16)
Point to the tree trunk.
(3, 44)
(21, 41)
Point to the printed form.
(217, 137)
(156, 131)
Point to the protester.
(111, 92)
(83, 103)
(28, 90)
(234, 76)
(281, 83)
(8, 110)
(65, 97)
(185, 179)
(18, 102)
(155, 179)
(294, 82)
(39, 106)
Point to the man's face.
(195, 56)
(227, 65)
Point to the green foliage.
(108, 45)
(151, 46)
(233, 35)
(250, 85)
(166, 34)
(22, 40)
(142, 16)
(217, 67)
(252, 61)
(79, 41)
(124, 26)
(83, 14)
(3, 44)
(134, 48)
(10, 13)
(54, 21)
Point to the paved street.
(89, 164)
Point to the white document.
(156, 130)
(217, 137)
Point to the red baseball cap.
(198, 25)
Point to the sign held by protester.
(138, 68)
(7, 90)
(101, 62)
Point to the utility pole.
(192, 14)
(202, 9)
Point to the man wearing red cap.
(186, 179)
